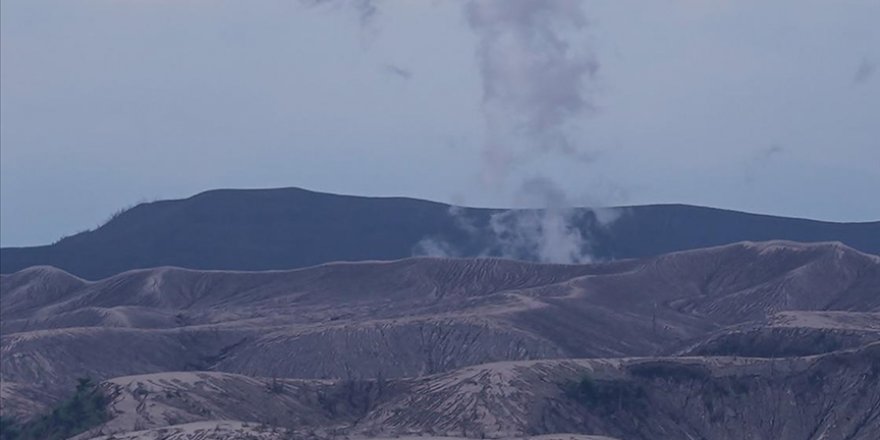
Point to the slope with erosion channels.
(834, 395)
(403, 324)
(290, 228)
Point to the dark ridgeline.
(290, 227)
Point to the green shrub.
(9, 429)
(275, 387)
(584, 390)
(604, 394)
(84, 410)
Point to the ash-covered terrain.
(750, 340)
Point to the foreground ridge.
(775, 336)
(632, 398)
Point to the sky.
(768, 107)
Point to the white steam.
(533, 78)
(536, 68)
(534, 71)
(549, 234)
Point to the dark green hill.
(290, 227)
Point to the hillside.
(833, 396)
(291, 228)
(413, 318)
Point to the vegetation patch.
(352, 396)
(86, 409)
(605, 394)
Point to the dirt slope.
(831, 396)
(782, 337)
(423, 316)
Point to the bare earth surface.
(234, 430)
(751, 340)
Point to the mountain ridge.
(434, 313)
(288, 228)
(461, 347)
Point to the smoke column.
(535, 69)
(534, 81)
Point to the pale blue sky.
(768, 107)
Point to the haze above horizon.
(749, 106)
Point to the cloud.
(366, 9)
(398, 71)
(864, 72)
(759, 159)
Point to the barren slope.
(422, 316)
(834, 395)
